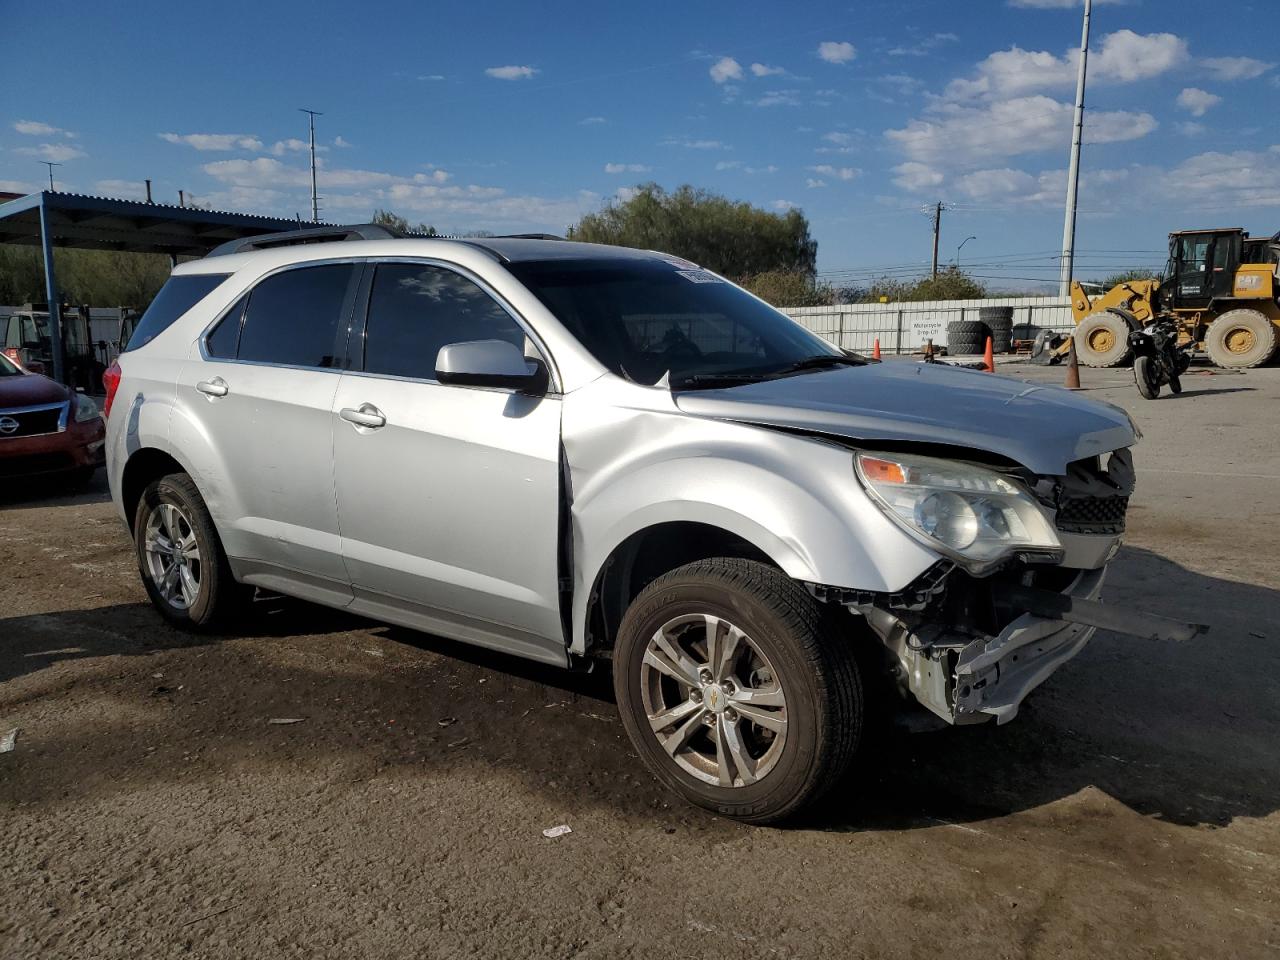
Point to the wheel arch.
(143, 466)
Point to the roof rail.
(265, 241)
(521, 236)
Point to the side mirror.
(490, 363)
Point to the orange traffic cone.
(1073, 368)
(989, 358)
(875, 350)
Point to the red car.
(46, 429)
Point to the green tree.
(950, 284)
(789, 288)
(101, 278)
(389, 218)
(731, 238)
(1139, 274)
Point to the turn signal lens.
(881, 471)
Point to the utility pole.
(1073, 172)
(50, 164)
(315, 200)
(937, 230)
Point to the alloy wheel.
(173, 556)
(713, 700)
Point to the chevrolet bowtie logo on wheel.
(8, 425)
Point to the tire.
(1143, 376)
(966, 337)
(1240, 339)
(174, 502)
(1102, 340)
(784, 649)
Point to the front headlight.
(974, 515)
(86, 409)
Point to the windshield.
(8, 368)
(642, 319)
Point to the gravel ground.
(152, 808)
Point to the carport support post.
(51, 295)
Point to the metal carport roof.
(53, 219)
(103, 223)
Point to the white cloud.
(1189, 128)
(124, 189)
(779, 98)
(1197, 101)
(838, 137)
(696, 144)
(341, 142)
(267, 184)
(294, 145)
(813, 183)
(17, 186)
(762, 70)
(34, 128)
(1238, 180)
(591, 121)
(724, 165)
(840, 173)
(53, 152)
(1122, 57)
(726, 68)
(992, 184)
(836, 51)
(215, 141)
(1236, 68)
(431, 76)
(626, 168)
(784, 205)
(923, 47)
(964, 134)
(914, 176)
(1058, 4)
(512, 72)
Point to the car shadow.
(1186, 733)
(1190, 390)
(53, 490)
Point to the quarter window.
(415, 309)
(299, 317)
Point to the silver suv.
(584, 454)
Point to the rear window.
(176, 297)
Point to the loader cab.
(1202, 267)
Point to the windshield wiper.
(721, 379)
(820, 361)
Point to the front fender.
(633, 465)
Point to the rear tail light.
(110, 380)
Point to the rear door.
(450, 507)
(265, 385)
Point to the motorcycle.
(1157, 358)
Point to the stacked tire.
(966, 338)
(999, 321)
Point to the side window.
(176, 297)
(224, 340)
(415, 309)
(299, 317)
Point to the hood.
(1043, 428)
(30, 390)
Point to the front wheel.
(1146, 376)
(735, 691)
(184, 568)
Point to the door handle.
(217, 387)
(366, 415)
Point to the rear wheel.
(1102, 340)
(735, 692)
(184, 568)
(1240, 338)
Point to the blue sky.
(513, 116)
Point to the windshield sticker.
(699, 276)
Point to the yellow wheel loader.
(1221, 287)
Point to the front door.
(448, 496)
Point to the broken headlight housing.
(975, 516)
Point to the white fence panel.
(904, 327)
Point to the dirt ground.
(151, 808)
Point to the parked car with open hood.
(593, 455)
